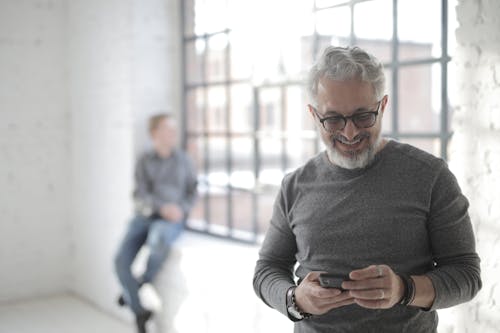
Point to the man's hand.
(375, 287)
(171, 213)
(310, 297)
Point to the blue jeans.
(159, 235)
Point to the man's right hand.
(171, 213)
(310, 297)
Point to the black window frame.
(254, 233)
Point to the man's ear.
(310, 109)
(385, 100)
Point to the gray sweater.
(405, 210)
(159, 181)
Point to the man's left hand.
(375, 287)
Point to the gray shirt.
(405, 210)
(159, 181)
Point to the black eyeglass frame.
(346, 118)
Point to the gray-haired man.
(386, 218)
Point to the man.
(386, 218)
(165, 192)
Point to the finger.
(324, 293)
(370, 304)
(327, 304)
(372, 294)
(345, 302)
(373, 271)
(371, 283)
(313, 276)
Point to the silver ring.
(383, 294)
(379, 271)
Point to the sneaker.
(141, 320)
(121, 300)
(149, 298)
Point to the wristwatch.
(294, 312)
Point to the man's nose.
(350, 130)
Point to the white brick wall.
(34, 240)
(120, 55)
(100, 64)
(156, 83)
(475, 150)
(77, 78)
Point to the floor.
(222, 302)
(70, 314)
(58, 314)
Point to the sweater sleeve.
(456, 277)
(190, 190)
(274, 269)
(143, 197)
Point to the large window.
(245, 119)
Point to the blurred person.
(386, 220)
(165, 191)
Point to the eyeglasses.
(338, 122)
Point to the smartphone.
(327, 280)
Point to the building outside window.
(245, 118)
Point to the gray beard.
(356, 161)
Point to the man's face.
(350, 147)
(164, 135)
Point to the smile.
(350, 143)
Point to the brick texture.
(475, 150)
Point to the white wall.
(475, 150)
(156, 59)
(78, 79)
(100, 73)
(34, 160)
(122, 69)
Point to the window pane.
(373, 33)
(216, 109)
(196, 149)
(217, 157)
(242, 216)
(197, 214)
(432, 146)
(242, 153)
(194, 61)
(210, 16)
(373, 20)
(419, 99)
(241, 61)
(218, 203)
(379, 48)
(242, 104)
(195, 103)
(274, 160)
(300, 151)
(270, 109)
(334, 22)
(216, 58)
(419, 28)
(297, 116)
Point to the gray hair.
(345, 63)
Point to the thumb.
(313, 275)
